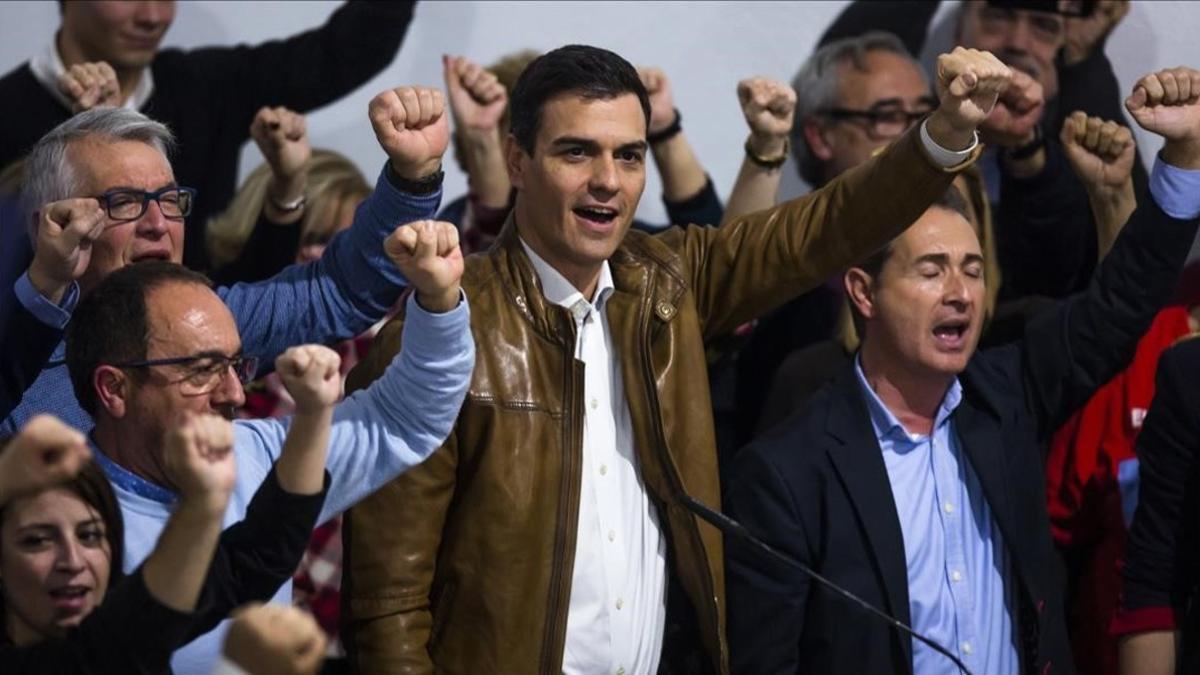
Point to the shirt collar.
(47, 67)
(882, 419)
(561, 292)
(128, 481)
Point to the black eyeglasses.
(125, 205)
(881, 123)
(205, 371)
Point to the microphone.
(732, 528)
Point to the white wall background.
(705, 48)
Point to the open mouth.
(70, 599)
(951, 334)
(152, 255)
(601, 215)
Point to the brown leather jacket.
(463, 564)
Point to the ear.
(860, 289)
(514, 161)
(814, 136)
(112, 387)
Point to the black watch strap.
(424, 186)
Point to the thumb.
(963, 85)
(1137, 100)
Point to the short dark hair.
(586, 71)
(110, 324)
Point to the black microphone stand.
(733, 528)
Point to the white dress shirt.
(618, 584)
(48, 66)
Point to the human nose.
(604, 176)
(955, 291)
(70, 556)
(1019, 38)
(154, 13)
(153, 221)
(229, 391)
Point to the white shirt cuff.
(226, 667)
(943, 157)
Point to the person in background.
(107, 53)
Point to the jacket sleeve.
(268, 251)
(1067, 354)
(1161, 556)
(390, 547)
(702, 208)
(759, 261)
(26, 344)
(766, 598)
(353, 285)
(308, 70)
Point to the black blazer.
(818, 489)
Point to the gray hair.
(816, 87)
(49, 175)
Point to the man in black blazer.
(916, 479)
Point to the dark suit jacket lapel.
(858, 460)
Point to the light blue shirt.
(959, 576)
(377, 434)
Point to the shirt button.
(595, 404)
(620, 603)
(956, 576)
(967, 648)
(948, 507)
(603, 469)
(612, 535)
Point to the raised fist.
(411, 127)
(282, 137)
(199, 458)
(477, 99)
(427, 253)
(312, 375)
(1168, 103)
(43, 453)
(275, 640)
(90, 85)
(769, 107)
(662, 104)
(1100, 151)
(1016, 114)
(969, 82)
(66, 231)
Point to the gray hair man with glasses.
(101, 195)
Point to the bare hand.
(1017, 112)
(428, 255)
(312, 375)
(282, 137)
(275, 640)
(1100, 151)
(662, 103)
(66, 231)
(411, 127)
(969, 82)
(477, 99)
(44, 452)
(90, 85)
(199, 459)
(1083, 35)
(769, 107)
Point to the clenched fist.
(477, 99)
(769, 107)
(199, 459)
(969, 82)
(662, 103)
(275, 640)
(90, 85)
(312, 375)
(1016, 114)
(282, 137)
(1100, 151)
(66, 231)
(44, 452)
(1167, 103)
(410, 125)
(428, 255)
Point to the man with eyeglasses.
(103, 195)
(152, 342)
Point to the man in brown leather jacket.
(547, 535)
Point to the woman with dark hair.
(61, 546)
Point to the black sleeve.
(702, 208)
(1045, 234)
(1069, 353)
(766, 598)
(131, 632)
(906, 19)
(257, 555)
(25, 345)
(308, 70)
(1161, 555)
(270, 248)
